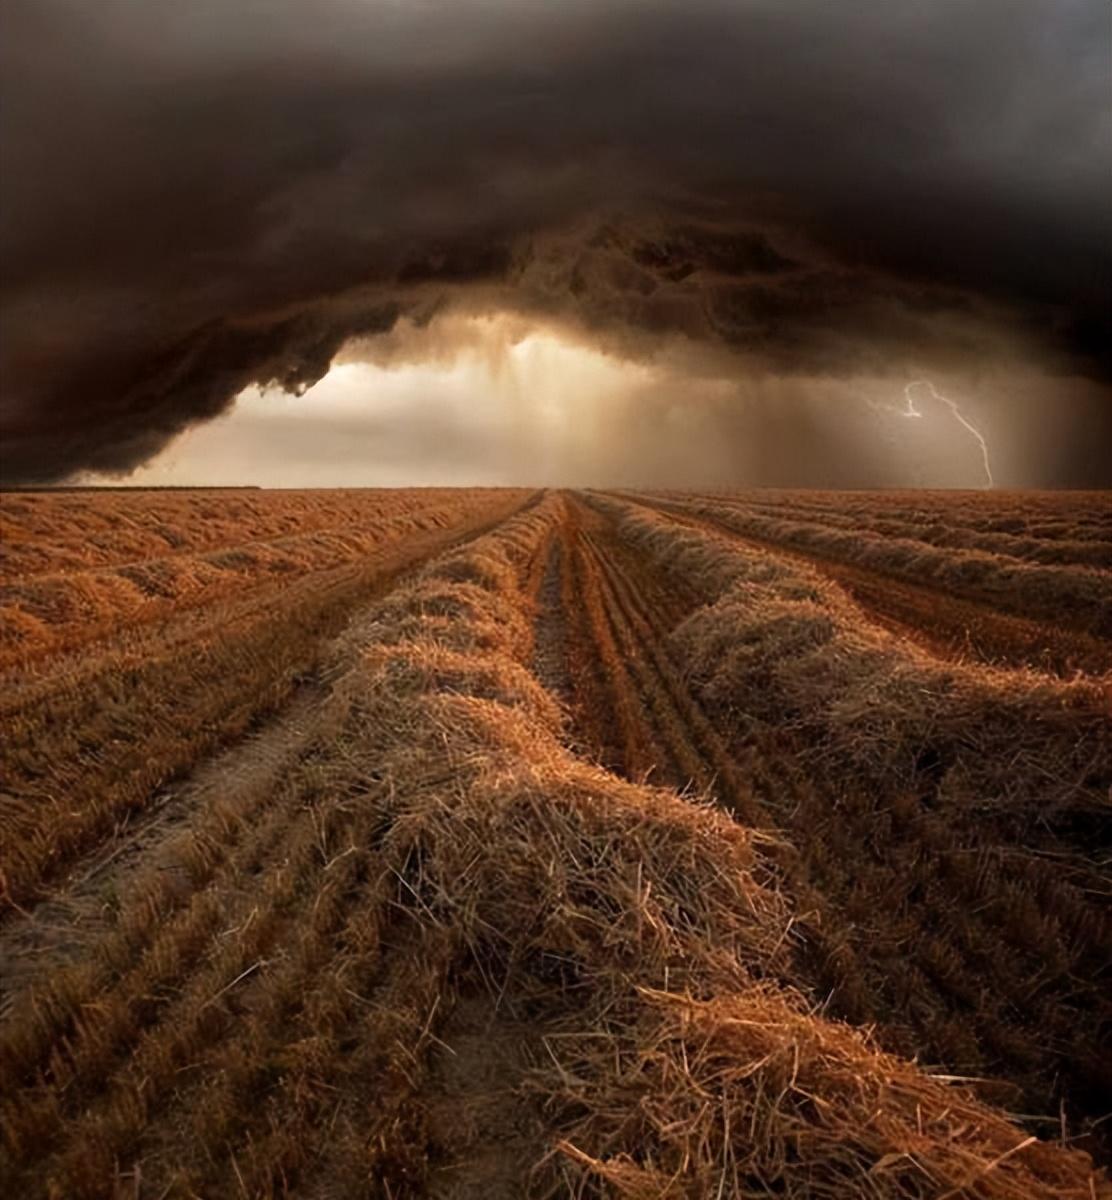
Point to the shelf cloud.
(202, 197)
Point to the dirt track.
(630, 706)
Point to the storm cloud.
(201, 196)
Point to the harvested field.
(958, 582)
(78, 566)
(506, 844)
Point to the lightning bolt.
(912, 411)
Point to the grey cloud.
(201, 195)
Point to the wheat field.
(508, 843)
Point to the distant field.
(495, 843)
(75, 566)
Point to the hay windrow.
(682, 1057)
(436, 839)
(1076, 592)
(779, 646)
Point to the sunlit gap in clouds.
(497, 399)
(474, 400)
(462, 400)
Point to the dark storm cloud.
(200, 195)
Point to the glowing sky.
(502, 407)
(493, 400)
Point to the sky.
(506, 241)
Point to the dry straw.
(675, 1055)
(639, 937)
